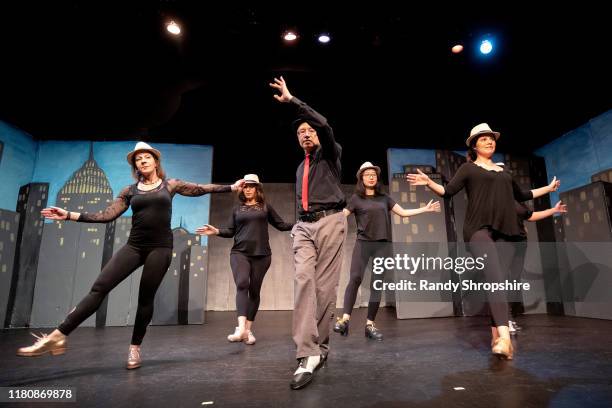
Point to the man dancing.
(318, 236)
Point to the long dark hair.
(259, 195)
(471, 154)
(360, 189)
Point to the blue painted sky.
(54, 162)
(573, 158)
(577, 155)
(17, 163)
(397, 158)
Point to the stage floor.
(559, 362)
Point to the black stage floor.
(559, 362)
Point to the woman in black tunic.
(250, 256)
(149, 245)
(491, 217)
(371, 207)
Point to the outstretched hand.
(420, 179)
(54, 213)
(554, 184)
(207, 230)
(432, 207)
(560, 207)
(280, 85)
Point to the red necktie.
(305, 183)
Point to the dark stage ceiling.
(107, 70)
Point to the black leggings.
(156, 262)
(362, 252)
(516, 270)
(496, 264)
(249, 273)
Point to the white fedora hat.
(365, 166)
(479, 130)
(142, 147)
(251, 179)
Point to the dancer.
(371, 207)
(524, 213)
(149, 245)
(318, 236)
(490, 217)
(250, 256)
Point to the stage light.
(324, 38)
(173, 28)
(486, 46)
(290, 36)
(457, 49)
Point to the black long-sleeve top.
(324, 177)
(523, 213)
(491, 197)
(249, 227)
(151, 210)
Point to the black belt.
(317, 215)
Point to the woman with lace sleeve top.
(490, 217)
(149, 245)
(372, 209)
(250, 256)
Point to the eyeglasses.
(302, 132)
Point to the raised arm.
(553, 186)
(276, 221)
(207, 230)
(230, 230)
(112, 212)
(521, 195)
(224, 232)
(422, 179)
(185, 188)
(430, 207)
(453, 187)
(331, 149)
(540, 215)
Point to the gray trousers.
(318, 249)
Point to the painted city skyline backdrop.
(54, 162)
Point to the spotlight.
(457, 49)
(324, 38)
(290, 36)
(173, 28)
(486, 46)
